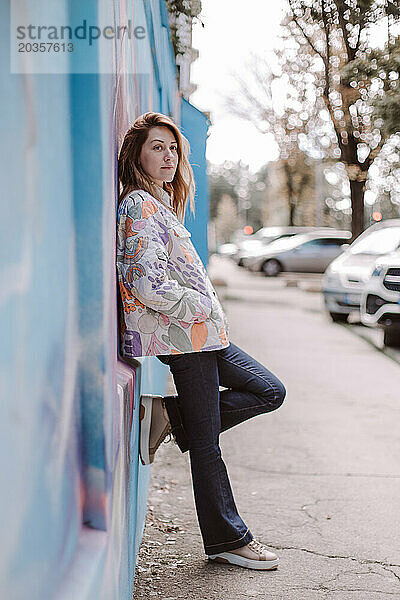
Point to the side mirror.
(344, 247)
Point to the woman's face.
(159, 155)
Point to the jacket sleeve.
(142, 259)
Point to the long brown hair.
(132, 176)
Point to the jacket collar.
(165, 197)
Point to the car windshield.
(286, 242)
(268, 232)
(275, 238)
(380, 241)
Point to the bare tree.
(336, 34)
(258, 100)
(326, 109)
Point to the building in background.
(73, 498)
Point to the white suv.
(380, 303)
(347, 275)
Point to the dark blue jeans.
(200, 412)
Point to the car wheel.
(271, 268)
(391, 337)
(339, 317)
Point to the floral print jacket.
(169, 304)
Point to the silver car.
(380, 302)
(256, 242)
(303, 253)
(346, 276)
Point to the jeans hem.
(226, 546)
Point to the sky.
(229, 35)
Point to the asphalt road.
(318, 480)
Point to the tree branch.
(328, 51)
(361, 27)
(307, 38)
(349, 50)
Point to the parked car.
(380, 301)
(346, 276)
(302, 253)
(228, 250)
(256, 242)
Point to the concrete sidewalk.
(319, 480)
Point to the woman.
(171, 310)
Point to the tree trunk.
(292, 209)
(357, 206)
(289, 188)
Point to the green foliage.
(377, 75)
(190, 8)
(178, 9)
(384, 184)
(388, 109)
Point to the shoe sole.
(144, 429)
(241, 561)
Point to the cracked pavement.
(317, 480)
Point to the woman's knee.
(280, 393)
(274, 395)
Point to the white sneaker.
(154, 426)
(253, 556)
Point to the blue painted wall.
(194, 125)
(72, 518)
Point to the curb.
(369, 335)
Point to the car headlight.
(331, 276)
